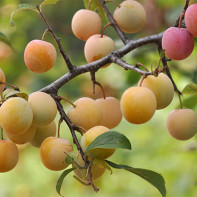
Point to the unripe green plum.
(130, 16)
(138, 104)
(42, 133)
(89, 136)
(112, 114)
(44, 108)
(40, 56)
(162, 88)
(2, 79)
(86, 23)
(16, 116)
(86, 114)
(53, 153)
(182, 124)
(24, 137)
(97, 47)
(96, 170)
(9, 155)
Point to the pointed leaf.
(190, 89)
(4, 38)
(10, 92)
(71, 157)
(61, 179)
(23, 6)
(102, 164)
(96, 6)
(111, 139)
(152, 177)
(47, 2)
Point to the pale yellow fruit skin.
(44, 108)
(86, 114)
(89, 136)
(16, 116)
(96, 171)
(182, 124)
(97, 47)
(130, 17)
(53, 153)
(42, 133)
(86, 23)
(2, 79)
(40, 56)
(112, 114)
(24, 137)
(162, 88)
(9, 155)
(138, 105)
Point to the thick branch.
(105, 60)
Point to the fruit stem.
(44, 34)
(59, 124)
(89, 4)
(62, 98)
(10, 85)
(181, 18)
(141, 65)
(93, 78)
(115, 3)
(181, 105)
(104, 28)
(143, 77)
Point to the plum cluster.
(25, 121)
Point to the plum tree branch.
(115, 26)
(66, 58)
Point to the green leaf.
(96, 6)
(61, 179)
(47, 2)
(5, 39)
(10, 93)
(152, 177)
(190, 89)
(71, 157)
(23, 6)
(111, 139)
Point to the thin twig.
(66, 58)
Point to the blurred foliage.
(153, 148)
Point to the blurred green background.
(153, 147)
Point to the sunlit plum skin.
(24, 137)
(96, 170)
(86, 23)
(97, 47)
(9, 155)
(162, 88)
(130, 16)
(2, 79)
(191, 19)
(112, 114)
(16, 116)
(53, 152)
(89, 136)
(42, 133)
(86, 114)
(178, 43)
(138, 104)
(182, 124)
(40, 56)
(44, 108)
